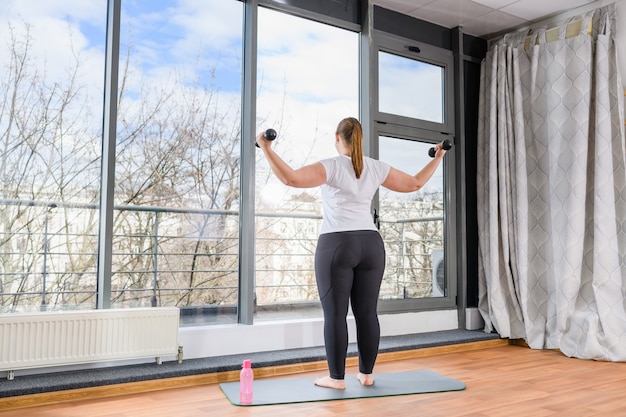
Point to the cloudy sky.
(307, 77)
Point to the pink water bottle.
(246, 377)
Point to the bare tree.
(177, 150)
(47, 157)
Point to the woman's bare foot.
(328, 382)
(365, 379)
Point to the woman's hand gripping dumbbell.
(269, 134)
(445, 145)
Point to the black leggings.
(349, 268)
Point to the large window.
(308, 80)
(177, 207)
(51, 82)
(177, 163)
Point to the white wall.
(211, 341)
(224, 340)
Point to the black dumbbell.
(445, 145)
(270, 134)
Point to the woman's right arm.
(402, 182)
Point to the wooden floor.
(502, 380)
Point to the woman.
(350, 254)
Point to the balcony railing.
(182, 257)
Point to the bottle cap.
(247, 363)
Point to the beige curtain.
(552, 189)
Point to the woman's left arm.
(402, 182)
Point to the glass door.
(415, 110)
(412, 226)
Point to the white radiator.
(34, 340)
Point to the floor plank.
(501, 381)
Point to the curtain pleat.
(551, 191)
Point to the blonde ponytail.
(351, 132)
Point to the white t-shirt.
(347, 200)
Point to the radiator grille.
(61, 338)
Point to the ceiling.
(481, 17)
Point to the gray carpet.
(298, 390)
(58, 381)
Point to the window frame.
(396, 45)
(406, 128)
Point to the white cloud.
(58, 43)
(308, 71)
(57, 38)
(307, 81)
(320, 61)
(82, 10)
(189, 37)
(216, 24)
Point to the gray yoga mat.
(299, 390)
